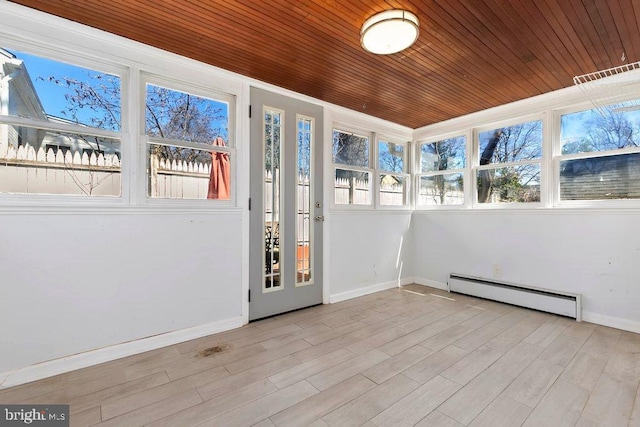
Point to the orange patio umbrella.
(220, 179)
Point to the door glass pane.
(303, 230)
(272, 143)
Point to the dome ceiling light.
(389, 32)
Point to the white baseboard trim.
(430, 283)
(106, 354)
(343, 296)
(599, 319)
(612, 322)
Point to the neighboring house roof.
(608, 177)
(15, 71)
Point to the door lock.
(320, 218)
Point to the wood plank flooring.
(402, 357)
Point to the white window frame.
(406, 173)
(466, 171)
(474, 165)
(558, 157)
(341, 127)
(145, 141)
(124, 135)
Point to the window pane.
(392, 190)
(304, 241)
(601, 178)
(350, 149)
(184, 173)
(272, 140)
(447, 189)
(515, 184)
(391, 157)
(589, 131)
(38, 161)
(178, 115)
(352, 187)
(443, 155)
(511, 144)
(52, 91)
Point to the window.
(441, 172)
(60, 127)
(351, 158)
(600, 155)
(509, 164)
(392, 173)
(188, 145)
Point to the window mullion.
(59, 127)
(509, 164)
(188, 144)
(136, 144)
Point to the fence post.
(352, 190)
(154, 163)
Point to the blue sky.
(575, 125)
(52, 95)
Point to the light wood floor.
(410, 356)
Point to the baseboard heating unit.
(562, 303)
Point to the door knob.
(320, 218)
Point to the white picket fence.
(27, 170)
(178, 179)
(354, 191)
(31, 171)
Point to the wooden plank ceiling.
(471, 54)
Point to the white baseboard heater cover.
(562, 303)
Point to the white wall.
(73, 283)
(370, 251)
(365, 250)
(593, 253)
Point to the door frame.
(320, 165)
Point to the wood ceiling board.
(471, 54)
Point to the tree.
(609, 131)
(484, 176)
(94, 100)
(350, 149)
(506, 145)
(444, 155)
(169, 114)
(100, 94)
(391, 157)
(599, 131)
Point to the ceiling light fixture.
(389, 32)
